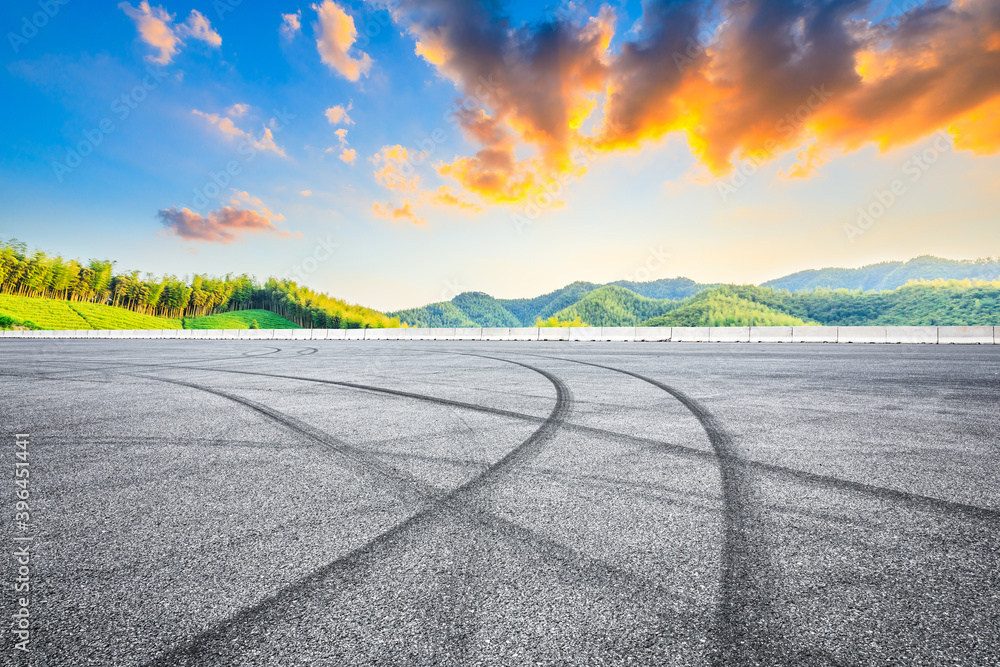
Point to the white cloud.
(291, 25)
(238, 110)
(156, 28)
(226, 125)
(337, 35)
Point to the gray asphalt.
(358, 503)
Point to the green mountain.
(889, 275)
(613, 306)
(935, 303)
(484, 310)
(527, 311)
(443, 314)
(666, 288)
(727, 307)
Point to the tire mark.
(306, 351)
(274, 350)
(455, 501)
(744, 633)
(928, 503)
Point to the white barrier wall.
(892, 335)
(966, 335)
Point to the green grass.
(240, 319)
(100, 316)
(44, 313)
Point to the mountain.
(727, 306)
(485, 310)
(444, 314)
(527, 311)
(622, 301)
(889, 275)
(928, 303)
(665, 288)
(614, 306)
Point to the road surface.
(356, 503)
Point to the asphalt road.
(357, 503)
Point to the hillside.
(889, 275)
(724, 307)
(934, 303)
(240, 319)
(484, 310)
(444, 314)
(528, 311)
(54, 314)
(613, 306)
(666, 288)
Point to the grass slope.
(58, 315)
(240, 319)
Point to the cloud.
(337, 35)
(348, 155)
(156, 28)
(291, 25)
(238, 110)
(402, 212)
(306, 193)
(395, 168)
(443, 196)
(265, 142)
(226, 225)
(243, 197)
(338, 115)
(739, 79)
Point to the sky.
(398, 153)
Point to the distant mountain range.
(878, 294)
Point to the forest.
(33, 273)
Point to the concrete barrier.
(653, 334)
(770, 334)
(256, 334)
(966, 335)
(336, 334)
(729, 334)
(690, 335)
(283, 334)
(618, 334)
(814, 334)
(495, 333)
(354, 334)
(911, 335)
(230, 334)
(861, 334)
(584, 333)
(415, 333)
(522, 333)
(300, 334)
(553, 333)
(469, 333)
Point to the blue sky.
(179, 176)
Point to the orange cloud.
(769, 78)
(156, 28)
(403, 212)
(337, 36)
(226, 225)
